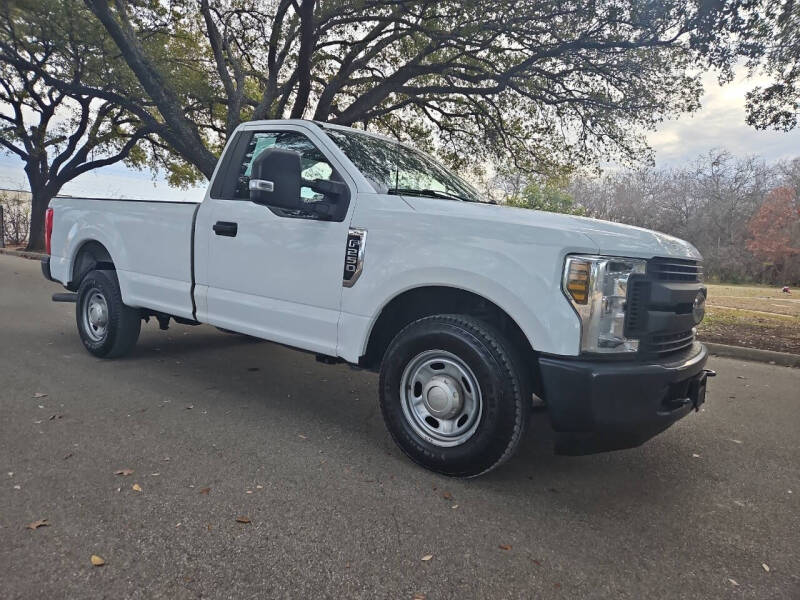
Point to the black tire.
(122, 323)
(505, 403)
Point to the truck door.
(270, 273)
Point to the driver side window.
(314, 165)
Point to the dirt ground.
(753, 316)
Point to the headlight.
(597, 287)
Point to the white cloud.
(720, 123)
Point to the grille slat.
(675, 270)
(664, 344)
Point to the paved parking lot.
(216, 427)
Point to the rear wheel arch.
(91, 255)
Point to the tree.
(16, 218)
(542, 84)
(775, 231)
(58, 134)
(771, 42)
(550, 195)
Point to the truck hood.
(609, 238)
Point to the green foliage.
(550, 195)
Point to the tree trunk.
(39, 201)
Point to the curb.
(768, 356)
(23, 254)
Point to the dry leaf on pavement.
(37, 524)
(124, 472)
(447, 496)
(418, 597)
(205, 491)
(242, 520)
(505, 546)
(97, 561)
(427, 557)
(136, 487)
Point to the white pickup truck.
(363, 250)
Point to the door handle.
(226, 228)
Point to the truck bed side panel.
(149, 243)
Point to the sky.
(720, 123)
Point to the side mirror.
(275, 179)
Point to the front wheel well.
(90, 256)
(422, 302)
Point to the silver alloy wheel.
(441, 398)
(95, 315)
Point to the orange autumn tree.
(775, 234)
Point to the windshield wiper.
(428, 192)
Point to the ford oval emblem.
(699, 307)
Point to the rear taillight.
(48, 228)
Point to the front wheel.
(452, 395)
(107, 327)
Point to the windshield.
(393, 168)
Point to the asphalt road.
(217, 427)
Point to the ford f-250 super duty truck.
(363, 250)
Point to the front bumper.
(596, 406)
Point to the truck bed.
(150, 242)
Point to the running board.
(65, 297)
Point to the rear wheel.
(452, 395)
(107, 327)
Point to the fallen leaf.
(505, 546)
(205, 491)
(136, 487)
(427, 557)
(418, 597)
(537, 562)
(97, 561)
(39, 395)
(37, 524)
(447, 496)
(765, 566)
(124, 472)
(242, 520)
